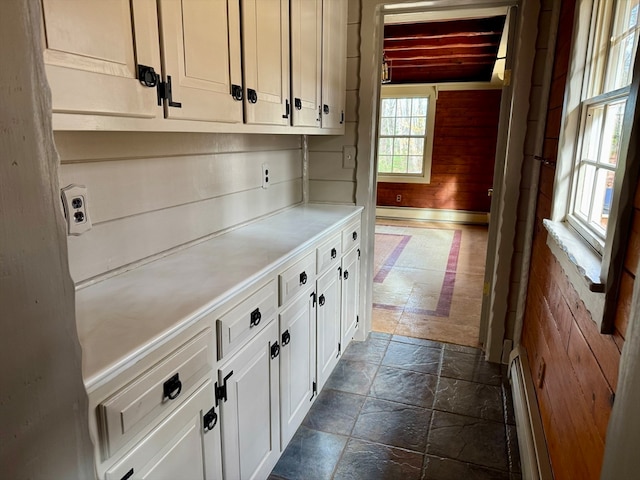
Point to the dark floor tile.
(352, 376)
(380, 336)
(468, 439)
(469, 398)
(446, 469)
(371, 351)
(310, 454)
(413, 357)
(368, 461)
(393, 424)
(416, 341)
(334, 412)
(470, 367)
(507, 401)
(514, 450)
(404, 386)
(452, 347)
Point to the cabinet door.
(350, 295)
(250, 413)
(297, 364)
(328, 324)
(306, 61)
(91, 50)
(201, 57)
(334, 62)
(265, 48)
(178, 448)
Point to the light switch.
(348, 156)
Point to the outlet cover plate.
(75, 200)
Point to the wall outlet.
(348, 156)
(398, 198)
(265, 175)
(76, 210)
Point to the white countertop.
(121, 318)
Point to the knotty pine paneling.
(466, 128)
(150, 193)
(580, 364)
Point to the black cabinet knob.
(275, 350)
(256, 316)
(172, 387)
(286, 338)
(346, 274)
(334, 253)
(303, 278)
(321, 300)
(355, 236)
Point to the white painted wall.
(151, 192)
(43, 404)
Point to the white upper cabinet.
(306, 61)
(334, 62)
(201, 59)
(265, 45)
(91, 50)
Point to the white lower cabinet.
(328, 321)
(350, 296)
(184, 445)
(248, 393)
(297, 363)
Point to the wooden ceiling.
(439, 52)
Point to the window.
(608, 72)
(405, 133)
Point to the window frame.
(600, 293)
(410, 91)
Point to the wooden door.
(328, 324)
(91, 53)
(250, 413)
(306, 62)
(350, 295)
(201, 57)
(334, 62)
(297, 364)
(265, 48)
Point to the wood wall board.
(633, 248)
(332, 191)
(623, 310)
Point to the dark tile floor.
(404, 408)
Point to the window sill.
(581, 265)
(382, 178)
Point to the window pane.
(419, 107)
(399, 164)
(403, 126)
(602, 197)
(384, 164)
(385, 146)
(416, 146)
(624, 42)
(388, 107)
(415, 164)
(586, 177)
(401, 146)
(592, 129)
(403, 107)
(418, 126)
(612, 133)
(387, 126)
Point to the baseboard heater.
(534, 457)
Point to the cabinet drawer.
(246, 319)
(156, 392)
(350, 236)
(329, 253)
(296, 278)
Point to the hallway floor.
(405, 408)
(428, 280)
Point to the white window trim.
(413, 90)
(599, 292)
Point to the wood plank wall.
(574, 365)
(464, 148)
(151, 192)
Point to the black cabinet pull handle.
(355, 236)
(236, 92)
(286, 338)
(297, 103)
(256, 316)
(275, 350)
(303, 278)
(346, 274)
(147, 76)
(334, 253)
(127, 475)
(210, 420)
(325, 109)
(252, 95)
(172, 387)
(321, 300)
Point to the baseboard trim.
(433, 215)
(534, 456)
